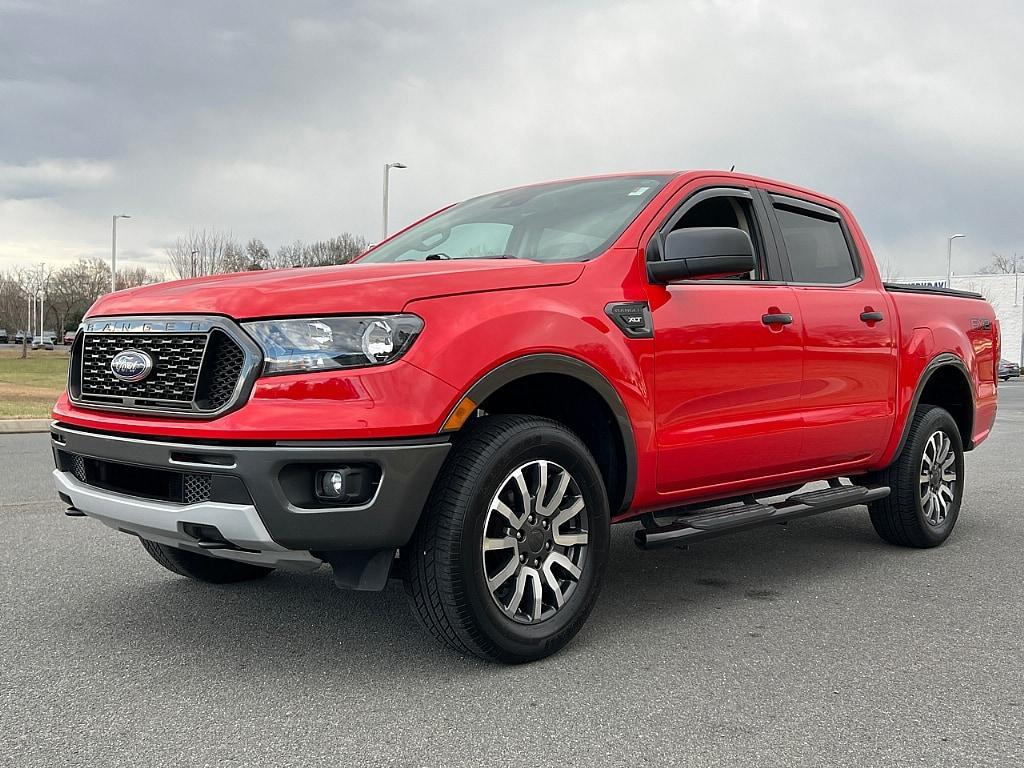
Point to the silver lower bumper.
(238, 523)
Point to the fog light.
(331, 484)
(343, 485)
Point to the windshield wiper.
(446, 257)
(491, 256)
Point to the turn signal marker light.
(462, 412)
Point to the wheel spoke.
(557, 496)
(494, 545)
(537, 589)
(568, 513)
(949, 477)
(505, 511)
(512, 608)
(503, 575)
(557, 558)
(926, 501)
(950, 459)
(524, 492)
(553, 585)
(542, 486)
(925, 478)
(570, 539)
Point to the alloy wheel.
(535, 539)
(938, 478)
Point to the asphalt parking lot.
(810, 645)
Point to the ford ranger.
(472, 404)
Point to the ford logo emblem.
(131, 365)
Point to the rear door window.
(817, 248)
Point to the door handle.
(871, 317)
(781, 318)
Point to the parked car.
(474, 402)
(69, 337)
(1008, 370)
(3, 336)
(19, 337)
(42, 342)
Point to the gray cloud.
(274, 120)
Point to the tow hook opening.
(209, 537)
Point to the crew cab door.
(848, 396)
(728, 357)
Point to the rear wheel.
(507, 561)
(213, 570)
(927, 483)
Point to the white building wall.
(1006, 295)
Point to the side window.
(726, 211)
(818, 251)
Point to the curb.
(19, 426)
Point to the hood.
(348, 289)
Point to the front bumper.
(250, 506)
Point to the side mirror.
(703, 252)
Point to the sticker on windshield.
(638, 191)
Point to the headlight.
(328, 343)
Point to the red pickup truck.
(472, 404)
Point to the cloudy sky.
(273, 120)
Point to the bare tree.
(134, 277)
(888, 269)
(289, 256)
(258, 254)
(201, 252)
(209, 252)
(1000, 265)
(321, 253)
(234, 259)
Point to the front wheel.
(927, 482)
(507, 561)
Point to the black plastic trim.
(387, 520)
(939, 361)
(900, 288)
(528, 365)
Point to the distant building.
(1004, 292)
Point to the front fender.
(468, 340)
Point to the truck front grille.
(196, 372)
(177, 359)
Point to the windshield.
(562, 221)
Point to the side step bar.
(715, 522)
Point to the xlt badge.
(632, 317)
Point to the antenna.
(733, 168)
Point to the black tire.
(445, 570)
(213, 570)
(901, 518)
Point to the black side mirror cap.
(702, 252)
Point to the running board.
(705, 525)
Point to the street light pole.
(949, 260)
(114, 249)
(194, 254)
(387, 173)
